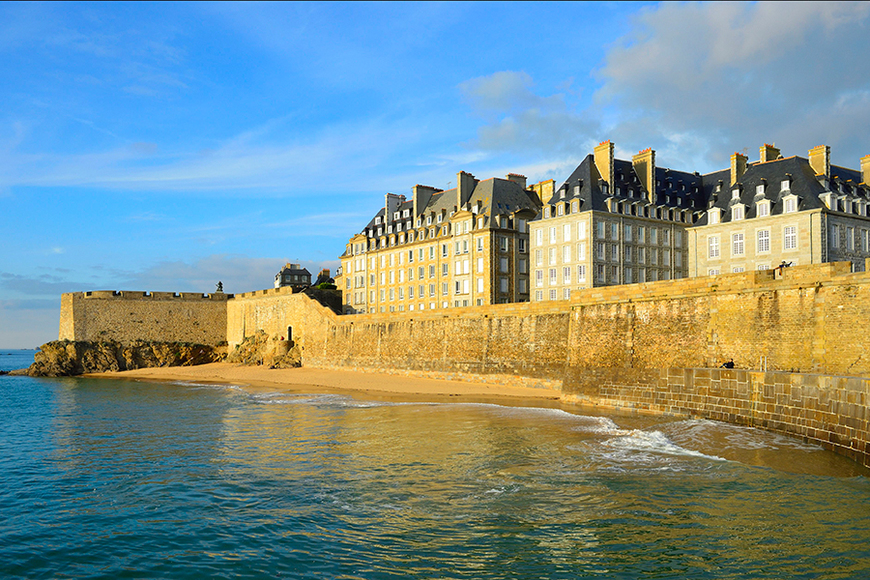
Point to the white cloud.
(735, 75)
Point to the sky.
(164, 147)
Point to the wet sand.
(306, 378)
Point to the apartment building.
(777, 211)
(442, 249)
(613, 222)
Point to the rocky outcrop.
(261, 349)
(62, 358)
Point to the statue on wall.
(220, 286)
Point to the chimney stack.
(769, 153)
(518, 179)
(604, 161)
(644, 164)
(465, 184)
(820, 160)
(865, 170)
(738, 167)
(422, 195)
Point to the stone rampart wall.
(832, 411)
(807, 319)
(126, 317)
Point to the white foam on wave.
(642, 446)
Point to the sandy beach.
(307, 378)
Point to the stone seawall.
(831, 411)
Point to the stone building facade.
(466, 246)
(792, 211)
(613, 222)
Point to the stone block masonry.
(127, 317)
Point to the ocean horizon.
(110, 478)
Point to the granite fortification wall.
(127, 317)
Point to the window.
(581, 230)
(546, 212)
(553, 235)
(627, 252)
(713, 216)
(581, 273)
(566, 254)
(713, 272)
(627, 233)
(560, 209)
(539, 278)
(599, 250)
(763, 267)
(763, 208)
(790, 204)
(539, 295)
(566, 233)
(581, 251)
(614, 231)
(713, 247)
(539, 237)
(627, 276)
(737, 213)
(480, 244)
(789, 238)
(640, 234)
(522, 246)
(480, 284)
(666, 257)
(763, 241)
(539, 258)
(445, 269)
(737, 245)
(835, 236)
(479, 265)
(599, 272)
(850, 239)
(599, 230)
(503, 264)
(503, 285)
(553, 295)
(553, 277)
(566, 275)
(653, 235)
(523, 267)
(552, 256)
(614, 252)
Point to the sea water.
(122, 479)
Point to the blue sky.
(165, 147)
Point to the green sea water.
(121, 479)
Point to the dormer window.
(737, 213)
(785, 185)
(396, 215)
(574, 206)
(759, 189)
(735, 193)
(790, 204)
(713, 215)
(560, 209)
(547, 212)
(762, 208)
(440, 218)
(562, 192)
(377, 221)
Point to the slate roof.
(675, 189)
(770, 174)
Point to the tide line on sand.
(303, 378)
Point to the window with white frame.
(835, 236)
(762, 208)
(566, 233)
(850, 239)
(539, 257)
(789, 238)
(566, 254)
(581, 251)
(551, 255)
(539, 237)
(713, 247)
(581, 230)
(599, 230)
(553, 280)
(581, 273)
(599, 250)
(566, 275)
(627, 232)
(713, 271)
(553, 235)
(762, 244)
(737, 269)
(737, 213)
(539, 278)
(737, 248)
(790, 204)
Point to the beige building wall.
(466, 260)
(577, 250)
(761, 243)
